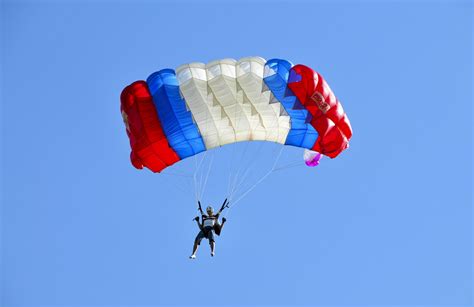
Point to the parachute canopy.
(179, 113)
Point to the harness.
(207, 218)
(215, 226)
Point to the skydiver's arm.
(200, 208)
(224, 205)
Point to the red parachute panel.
(328, 117)
(149, 145)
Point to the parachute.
(176, 114)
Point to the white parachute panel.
(230, 103)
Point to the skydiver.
(209, 225)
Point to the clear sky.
(389, 222)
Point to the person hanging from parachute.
(208, 226)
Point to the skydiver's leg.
(197, 241)
(223, 222)
(195, 248)
(217, 228)
(213, 246)
(212, 243)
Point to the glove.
(196, 219)
(224, 220)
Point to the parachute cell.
(301, 134)
(149, 144)
(328, 117)
(177, 122)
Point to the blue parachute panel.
(178, 125)
(301, 134)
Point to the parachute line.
(289, 165)
(209, 168)
(265, 176)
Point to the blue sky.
(389, 222)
